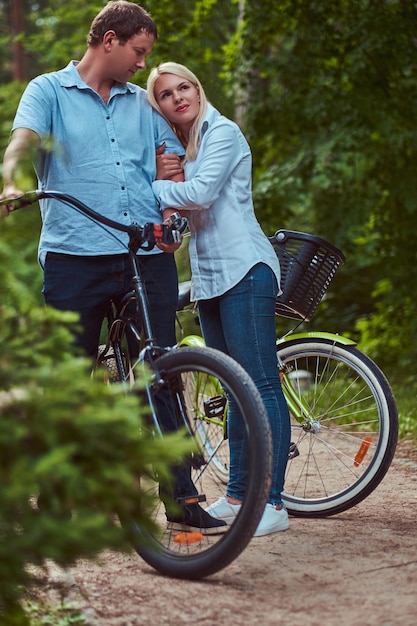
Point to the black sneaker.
(193, 518)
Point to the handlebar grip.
(19, 203)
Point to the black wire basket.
(308, 264)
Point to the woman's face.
(179, 100)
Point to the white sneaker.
(272, 521)
(222, 509)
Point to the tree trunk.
(17, 27)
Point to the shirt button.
(117, 162)
(112, 140)
(125, 214)
(123, 188)
(107, 117)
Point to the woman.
(235, 272)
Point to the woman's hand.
(168, 166)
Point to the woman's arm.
(168, 166)
(224, 147)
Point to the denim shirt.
(103, 154)
(226, 238)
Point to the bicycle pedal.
(215, 406)
(197, 461)
(294, 451)
(192, 499)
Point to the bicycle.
(170, 548)
(344, 420)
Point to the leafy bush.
(381, 334)
(65, 435)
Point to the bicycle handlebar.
(149, 234)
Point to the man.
(105, 136)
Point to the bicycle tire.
(164, 550)
(350, 405)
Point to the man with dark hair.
(125, 18)
(105, 136)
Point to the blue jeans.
(241, 323)
(88, 284)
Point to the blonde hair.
(183, 72)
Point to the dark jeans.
(88, 284)
(241, 323)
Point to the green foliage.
(328, 99)
(10, 94)
(21, 273)
(45, 615)
(59, 32)
(77, 442)
(194, 33)
(405, 395)
(382, 333)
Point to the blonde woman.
(235, 272)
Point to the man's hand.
(168, 166)
(22, 142)
(9, 191)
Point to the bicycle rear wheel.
(344, 445)
(199, 379)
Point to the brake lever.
(177, 222)
(173, 227)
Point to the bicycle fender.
(196, 340)
(332, 337)
(192, 340)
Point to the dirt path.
(357, 568)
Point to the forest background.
(325, 92)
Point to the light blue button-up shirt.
(226, 238)
(104, 155)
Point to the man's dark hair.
(125, 18)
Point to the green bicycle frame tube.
(295, 404)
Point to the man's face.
(125, 60)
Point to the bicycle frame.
(120, 319)
(197, 341)
(294, 400)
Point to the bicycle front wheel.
(201, 381)
(344, 426)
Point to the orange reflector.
(191, 500)
(187, 538)
(361, 453)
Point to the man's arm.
(23, 140)
(168, 166)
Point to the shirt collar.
(211, 115)
(69, 77)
